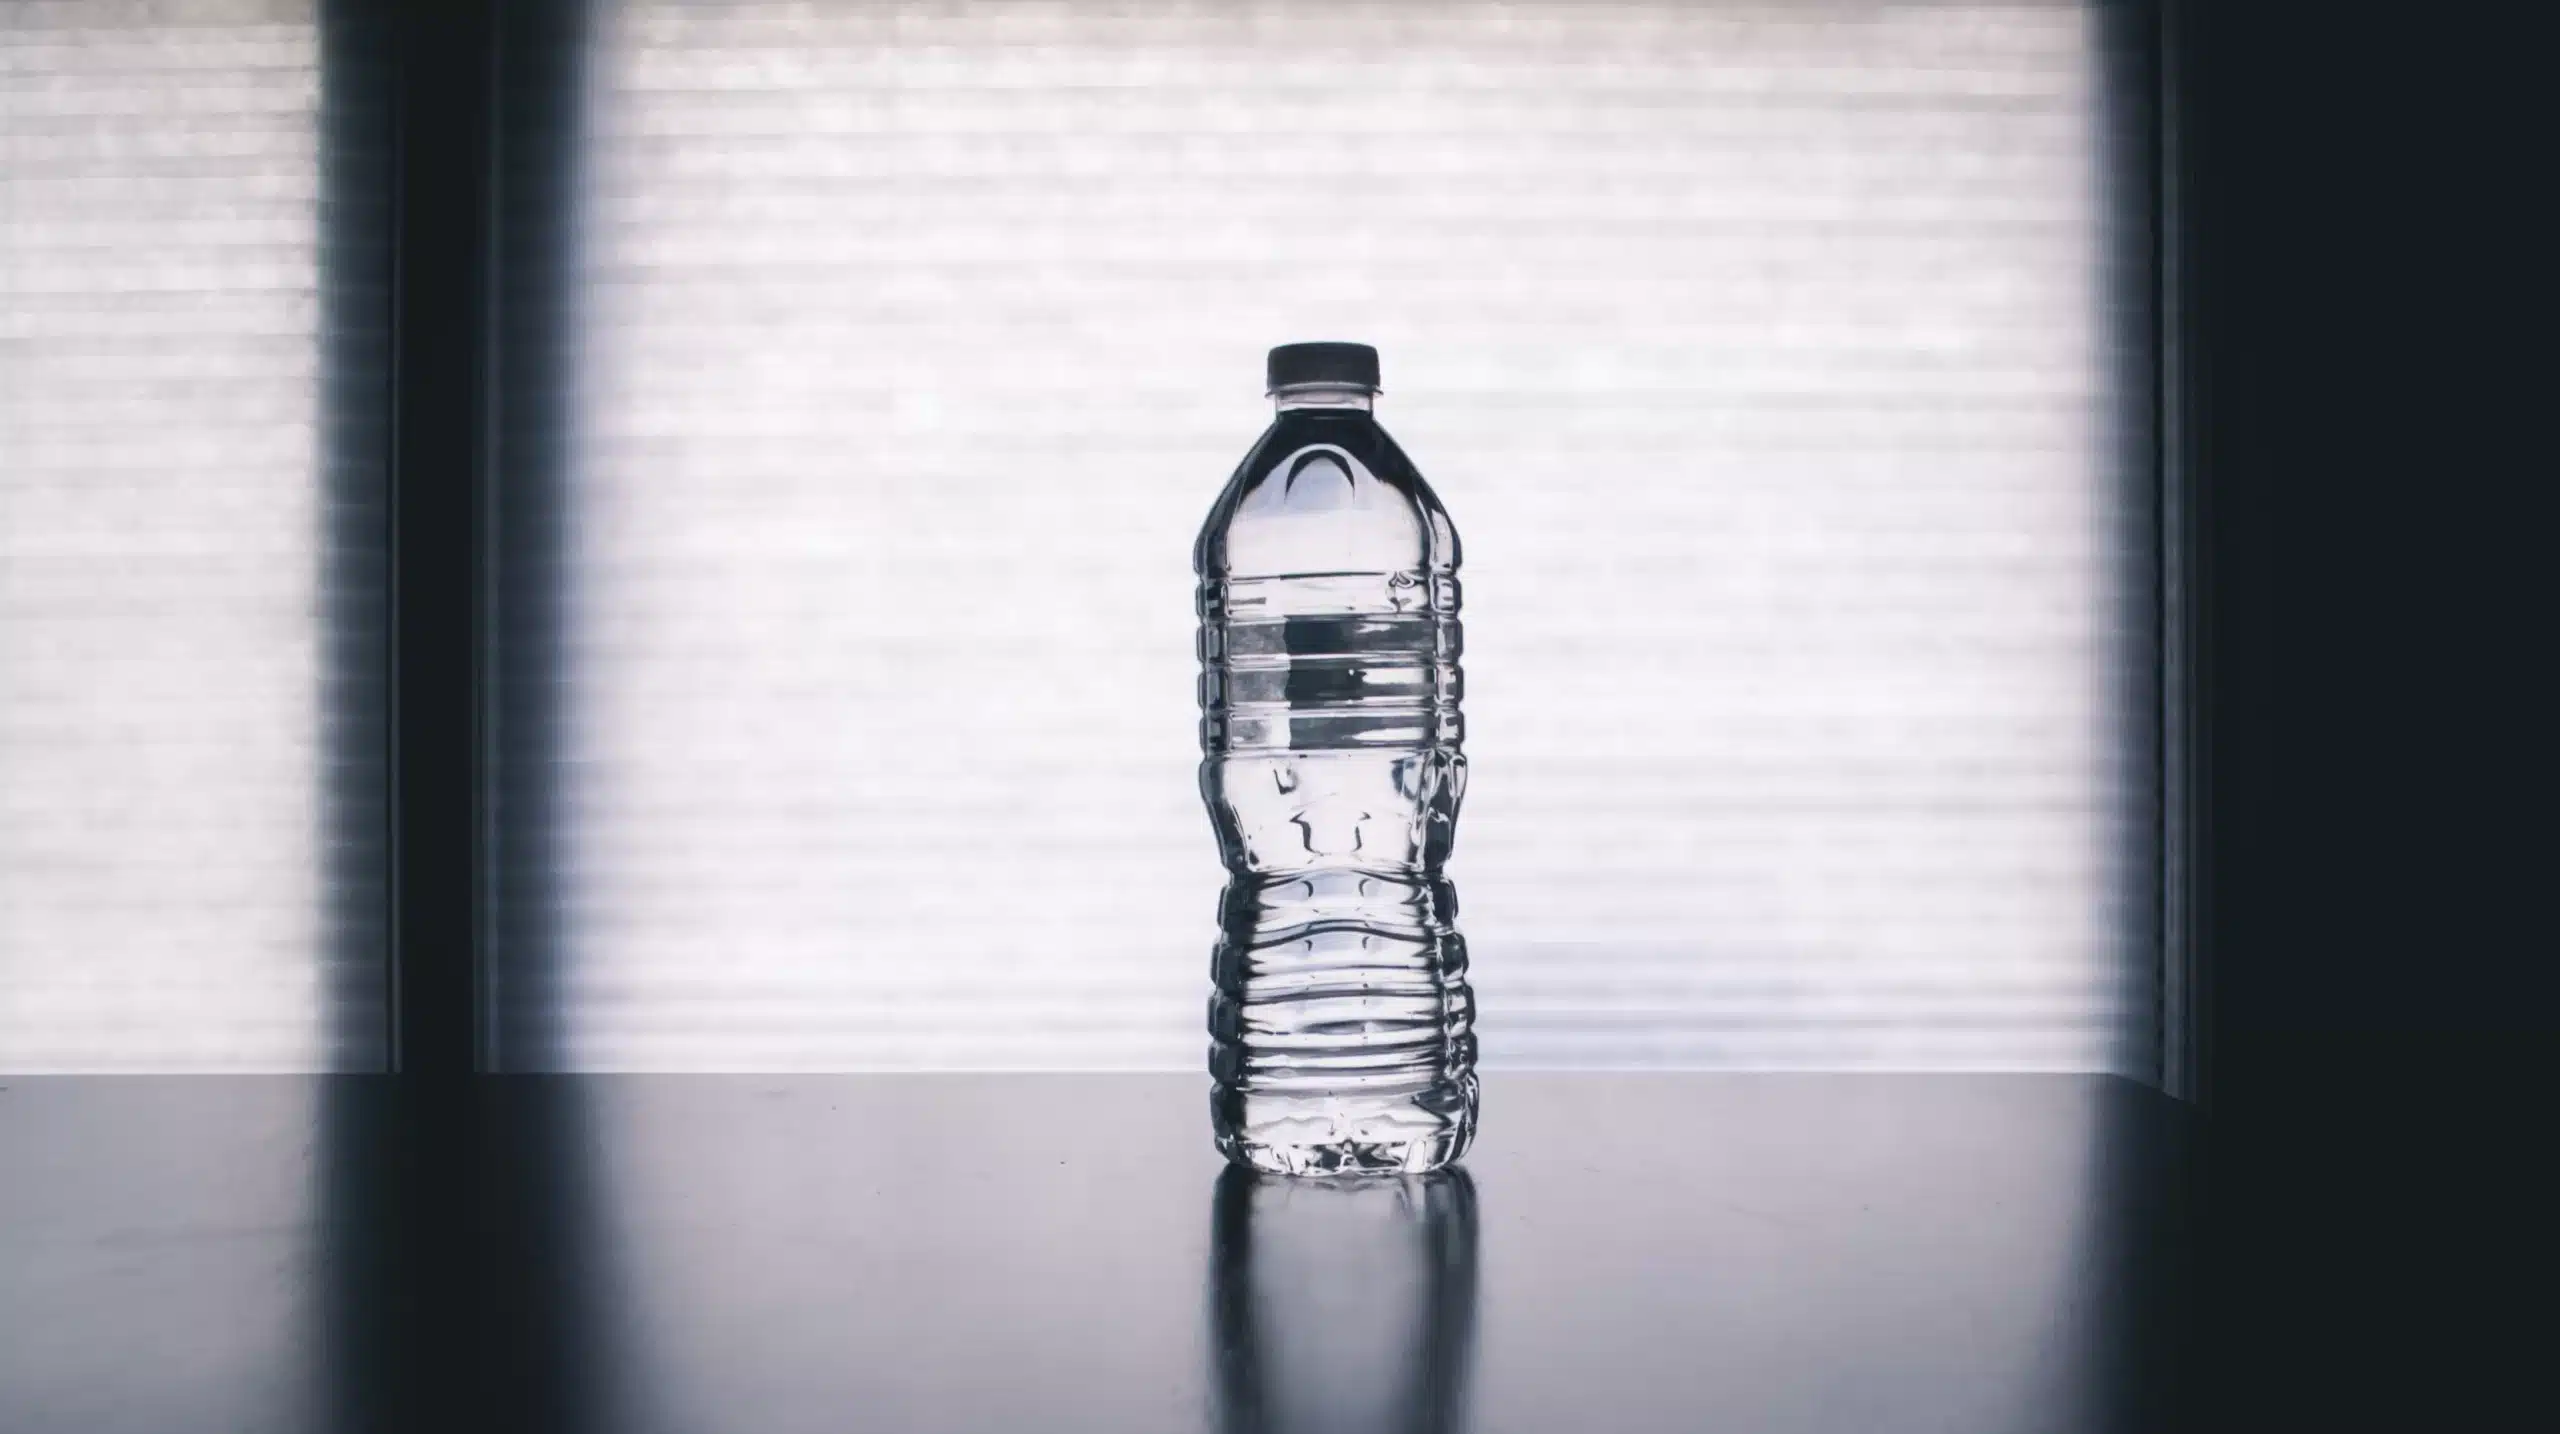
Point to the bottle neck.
(1325, 398)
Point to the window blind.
(1778, 363)
(191, 401)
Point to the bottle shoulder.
(1325, 492)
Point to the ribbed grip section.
(1341, 1026)
(1330, 661)
(1337, 975)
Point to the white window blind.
(190, 769)
(1769, 357)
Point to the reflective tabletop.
(1063, 1252)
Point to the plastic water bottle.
(1341, 1027)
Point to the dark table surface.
(976, 1252)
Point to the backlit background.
(1785, 368)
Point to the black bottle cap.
(1352, 364)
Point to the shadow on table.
(1342, 1306)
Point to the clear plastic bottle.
(1341, 1028)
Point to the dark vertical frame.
(2364, 388)
(358, 1181)
(355, 156)
(2185, 666)
(540, 103)
(440, 340)
(445, 54)
(2140, 544)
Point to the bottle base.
(1332, 1135)
(1347, 1158)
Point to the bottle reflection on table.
(1342, 1306)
